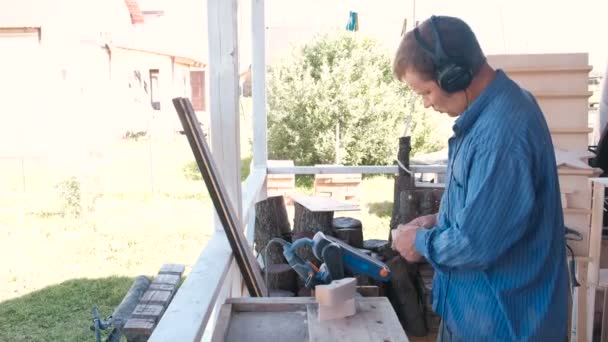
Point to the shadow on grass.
(61, 312)
(381, 209)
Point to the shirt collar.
(466, 120)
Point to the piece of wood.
(281, 293)
(306, 220)
(174, 269)
(167, 279)
(271, 221)
(150, 311)
(595, 245)
(274, 319)
(220, 331)
(138, 329)
(281, 277)
(374, 321)
(351, 236)
(336, 292)
(323, 204)
(158, 297)
(258, 78)
(219, 196)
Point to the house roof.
(137, 16)
(178, 59)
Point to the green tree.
(341, 82)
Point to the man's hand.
(426, 221)
(403, 242)
(405, 234)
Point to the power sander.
(336, 257)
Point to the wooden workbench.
(295, 319)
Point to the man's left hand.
(403, 242)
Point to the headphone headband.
(452, 74)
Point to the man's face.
(433, 96)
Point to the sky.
(513, 26)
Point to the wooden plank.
(595, 245)
(156, 297)
(226, 213)
(223, 322)
(187, 315)
(270, 304)
(318, 204)
(150, 311)
(138, 329)
(175, 269)
(167, 279)
(258, 83)
(375, 320)
(268, 326)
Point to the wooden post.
(271, 221)
(224, 97)
(258, 69)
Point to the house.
(107, 67)
(76, 76)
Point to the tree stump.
(348, 230)
(271, 221)
(312, 221)
(281, 277)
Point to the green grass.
(61, 312)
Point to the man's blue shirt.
(498, 246)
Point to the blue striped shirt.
(498, 247)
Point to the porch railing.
(192, 313)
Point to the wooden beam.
(365, 169)
(224, 96)
(258, 69)
(187, 315)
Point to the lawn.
(138, 211)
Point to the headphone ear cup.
(453, 77)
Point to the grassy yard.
(56, 268)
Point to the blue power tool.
(336, 256)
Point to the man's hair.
(457, 40)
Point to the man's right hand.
(426, 221)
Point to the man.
(497, 243)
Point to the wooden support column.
(224, 97)
(258, 69)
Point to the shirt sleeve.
(499, 200)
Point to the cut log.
(281, 277)
(312, 221)
(271, 221)
(352, 236)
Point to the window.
(197, 85)
(154, 89)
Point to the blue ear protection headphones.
(452, 74)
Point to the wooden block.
(156, 297)
(336, 293)
(168, 279)
(150, 311)
(317, 204)
(138, 329)
(337, 311)
(162, 287)
(175, 269)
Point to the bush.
(345, 81)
